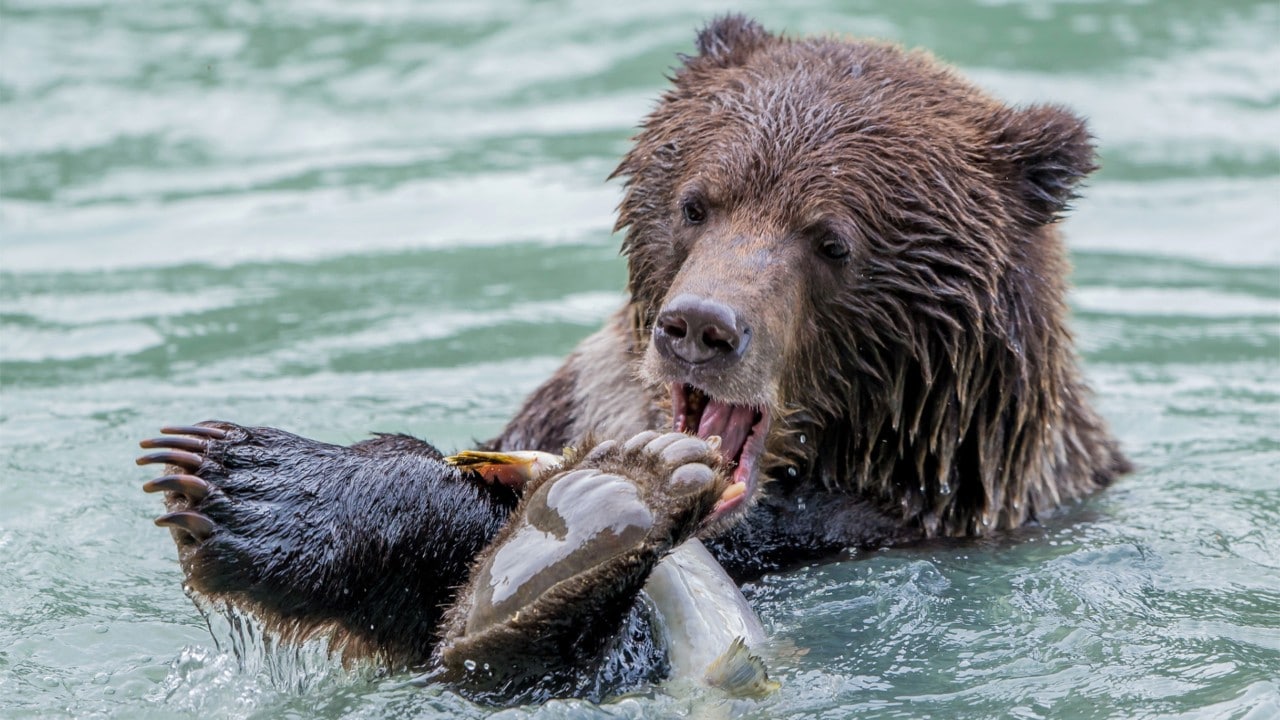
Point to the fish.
(709, 626)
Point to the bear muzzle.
(701, 332)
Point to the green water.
(337, 217)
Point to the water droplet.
(803, 439)
(945, 488)
(469, 664)
(791, 472)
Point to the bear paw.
(224, 486)
(367, 542)
(578, 550)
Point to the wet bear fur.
(888, 231)
(397, 557)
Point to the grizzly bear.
(844, 273)
(843, 260)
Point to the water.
(337, 217)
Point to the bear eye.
(832, 246)
(695, 211)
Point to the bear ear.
(728, 40)
(1050, 151)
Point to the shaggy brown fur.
(887, 230)
(843, 263)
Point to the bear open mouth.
(742, 430)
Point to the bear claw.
(194, 488)
(181, 458)
(202, 430)
(176, 442)
(198, 526)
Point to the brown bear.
(843, 264)
(843, 260)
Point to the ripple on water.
(22, 344)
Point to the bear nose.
(697, 331)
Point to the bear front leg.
(556, 585)
(368, 543)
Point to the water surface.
(338, 217)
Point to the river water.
(337, 217)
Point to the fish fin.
(740, 673)
(472, 458)
(513, 469)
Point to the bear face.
(842, 258)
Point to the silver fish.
(709, 625)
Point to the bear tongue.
(731, 422)
(743, 431)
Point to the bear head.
(845, 252)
